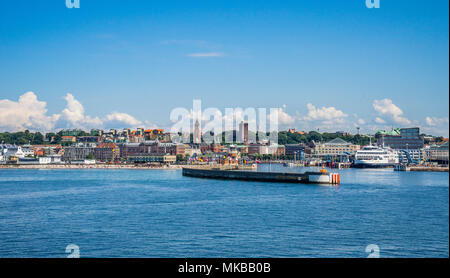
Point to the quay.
(322, 177)
(406, 168)
(428, 169)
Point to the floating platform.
(322, 177)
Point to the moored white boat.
(375, 157)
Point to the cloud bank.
(385, 107)
(30, 113)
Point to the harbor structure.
(439, 153)
(321, 177)
(406, 141)
(79, 151)
(152, 158)
(107, 152)
(243, 133)
(334, 148)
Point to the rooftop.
(337, 141)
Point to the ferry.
(375, 157)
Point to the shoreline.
(94, 166)
(169, 167)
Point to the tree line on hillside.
(33, 138)
(284, 137)
(22, 138)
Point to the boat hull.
(371, 165)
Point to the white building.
(9, 151)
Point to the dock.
(322, 177)
(403, 167)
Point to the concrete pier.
(307, 177)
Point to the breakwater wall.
(307, 177)
(428, 169)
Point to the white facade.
(28, 152)
(416, 154)
(8, 151)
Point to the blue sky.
(329, 64)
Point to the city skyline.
(326, 65)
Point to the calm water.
(159, 213)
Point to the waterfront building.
(208, 148)
(243, 133)
(8, 151)
(439, 153)
(107, 152)
(165, 137)
(55, 158)
(197, 133)
(263, 149)
(192, 150)
(88, 139)
(335, 147)
(170, 148)
(243, 149)
(79, 151)
(276, 150)
(46, 150)
(255, 148)
(296, 151)
(149, 146)
(418, 155)
(401, 139)
(31, 160)
(83, 162)
(71, 139)
(28, 151)
(292, 149)
(133, 138)
(153, 134)
(128, 149)
(152, 158)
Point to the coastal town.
(155, 148)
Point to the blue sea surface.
(160, 213)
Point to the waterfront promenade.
(178, 166)
(90, 166)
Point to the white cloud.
(73, 115)
(121, 120)
(361, 121)
(434, 121)
(283, 117)
(326, 114)
(379, 120)
(27, 113)
(206, 55)
(30, 113)
(387, 108)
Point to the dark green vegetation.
(285, 137)
(22, 138)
